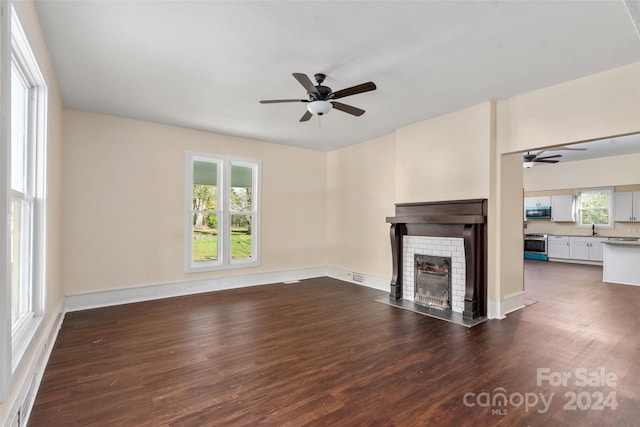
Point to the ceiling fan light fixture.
(528, 165)
(319, 107)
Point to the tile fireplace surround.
(437, 246)
(459, 219)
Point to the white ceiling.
(618, 146)
(206, 64)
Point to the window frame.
(17, 56)
(579, 223)
(224, 212)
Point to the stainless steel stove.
(535, 246)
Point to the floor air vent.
(357, 277)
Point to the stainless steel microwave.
(538, 212)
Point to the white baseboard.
(512, 303)
(168, 290)
(493, 310)
(370, 281)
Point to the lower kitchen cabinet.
(576, 248)
(587, 248)
(558, 247)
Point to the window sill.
(215, 267)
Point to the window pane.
(241, 188)
(205, 173)
(595, 207)
(241, 238)
(19, 134)
(595, 199)
(595, 216)
(20, 260)
(205, 237)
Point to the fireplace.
(433, 281)
(462, 221)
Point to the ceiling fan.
(322, 98)
(529, 160)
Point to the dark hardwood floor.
(323, 353)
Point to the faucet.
(593, 230)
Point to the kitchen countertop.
(622, 242)
(611, 238)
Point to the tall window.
(594, 207)
(26, 189)
(222, 213)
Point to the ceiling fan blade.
(555, 156)
(347, 108)
(353, 90)
(275, 101)
(306, 116)
(546, 161)
(306, 82)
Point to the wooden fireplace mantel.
(466, 219)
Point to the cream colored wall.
(597, 106)
(53, 280)
(509, 228)
(360, 195)
(445, 158)
(124, 196)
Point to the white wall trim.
(25, 397)
(168, 290)
(512, 303)
(493, 309)
(370, 281)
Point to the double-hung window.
(25, 148)
(222, 217)
(594, 207)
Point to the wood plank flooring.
(323, 353)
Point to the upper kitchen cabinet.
(535, 201)
(626, 206)
(563, 208)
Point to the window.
(222, 213)
(594, 207)
(25, 180)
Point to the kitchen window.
(222, 212)
(594, 207)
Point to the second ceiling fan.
(322, 99)
(529, 159)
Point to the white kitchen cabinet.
(558, 247)
(626, 206)
(586, 248)
(563, 208)
(535, 201)
(621, 263)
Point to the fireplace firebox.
(433, 281)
